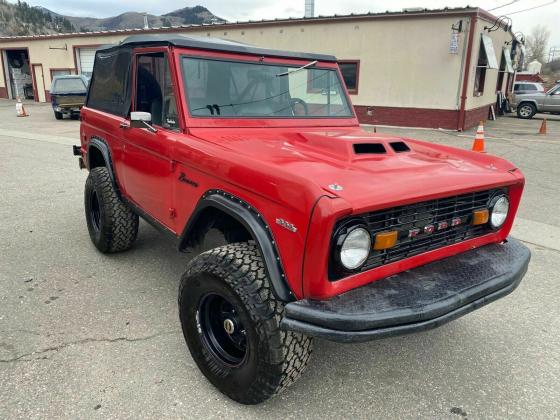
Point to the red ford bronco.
(303, 224)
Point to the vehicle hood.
(330, 160)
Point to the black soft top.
(208, 43)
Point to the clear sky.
(260, 9)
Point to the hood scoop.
(379, 148)
(369, 148)
(399, 146)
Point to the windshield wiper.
(312, 63)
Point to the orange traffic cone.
(20, 109)
(478, 145)
(542, 130)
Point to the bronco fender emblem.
(183, 178)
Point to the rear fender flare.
(102, 146)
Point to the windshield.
(553, 88)
(218, 88)
(70, 85)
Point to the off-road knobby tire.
(118, 225)
(275, 358)
(58, 115)
(523, 105)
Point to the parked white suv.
(529, 104)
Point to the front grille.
(417, 216)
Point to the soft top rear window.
(240, 89)
(109, 89)
(68, 85)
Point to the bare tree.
(536, 43)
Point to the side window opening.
(350, 70)
(154, 90)
(480, 75)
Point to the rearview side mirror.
(139, 119)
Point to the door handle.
(124, 124)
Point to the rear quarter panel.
(105, 127)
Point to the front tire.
(112, 226)
(58, 115)
(231, 323)
(526, 111)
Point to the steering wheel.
(298, 101)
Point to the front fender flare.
(255, 224)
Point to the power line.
(532, 8)
(503, 5)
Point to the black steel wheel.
(231, 323)
(222, 330)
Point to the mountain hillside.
(130, 20)
(21, 19)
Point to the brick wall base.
(474, 116)
(420, 117)
(408, 117)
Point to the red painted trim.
(4, 92)
(35, 85)
(357, 62)
(3, 75)
(47, 96)
(461, 122)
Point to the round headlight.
(499, 211)
(355, 248)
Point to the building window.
(501, 72)
(486, 60)
(350, 70)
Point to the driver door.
(148, 163)
(552, 101)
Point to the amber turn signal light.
(480, 217)
(384, 240)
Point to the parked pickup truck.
(68, 94)
(528, 105)
(301, 223)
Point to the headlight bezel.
(491, 207)
(340, 237)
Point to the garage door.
(85, 57)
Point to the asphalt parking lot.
(85, 335)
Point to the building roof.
(406, 13)
(208, 43)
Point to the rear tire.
(112, 226)
(231, 323)
(526, 111)
(58, 115)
